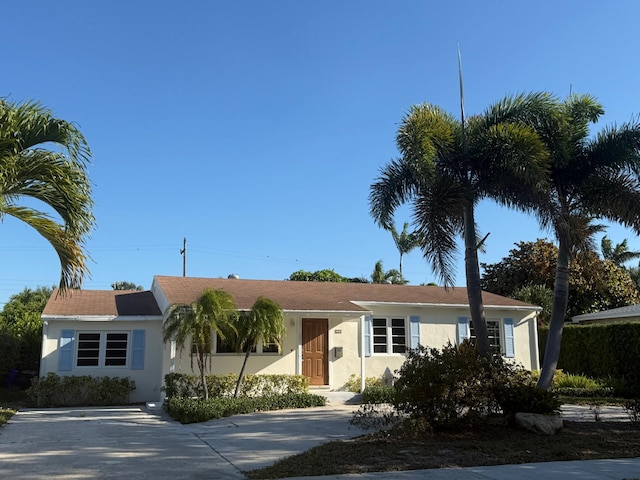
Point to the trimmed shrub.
(378, 394)
(73, 391)
(353, 384)
(194, 410)
(188, 386)
(601, 351)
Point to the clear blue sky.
(254, 128)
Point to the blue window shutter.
(367, 336)
(463, 329)
(414, 329)
(509, 349)
(137, 350)
(65, 351)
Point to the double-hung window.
(389, 335)
(102, 349)
(495, 337)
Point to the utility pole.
(184, 257)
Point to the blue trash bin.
(11, 378)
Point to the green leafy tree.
(393, 276)
(528, 274)
(323, 276)
(405, 241)
(213, 311)
(589, 177)
(45, 158)
(126, 286)
(263, 323)
(21, 329)
(446, 167)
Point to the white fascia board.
(102, 318)
(327, 313)
(527, 308)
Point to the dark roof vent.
(234, 276)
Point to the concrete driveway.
(131, 442)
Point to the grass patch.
(488, 444)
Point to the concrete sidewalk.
(133, 442)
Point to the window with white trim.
(495, 335)
(102, 349)
(389, 335)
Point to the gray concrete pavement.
(132, 442)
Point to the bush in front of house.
(194, 410)
(187, 386)
(439, 389)
(378, 394)
(75, 391)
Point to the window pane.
(270, 348)
(493, 330)
(88, 350)
(398, 335)
(223, 346)
(380, 335)
(116, 349)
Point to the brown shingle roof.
(102, 302)
(320, 296)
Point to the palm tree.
(45, 158)
(405, 241)
(263, 323)
(393, 276)
(446, 167)
(213, 311)
(620, 254)
(589, 178)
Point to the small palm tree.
(405, 241)
(393, 276)
(213, 311)
(57, 177)
(620, 254)
(263, 323)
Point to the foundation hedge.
(75, 391)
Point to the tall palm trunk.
(241, 375)
(558, 313)
(474, 291)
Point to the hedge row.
(193, 410)
(71, 391)
(186, 386)
(600, 351)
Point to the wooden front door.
(315, 350)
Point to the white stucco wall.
(438, 326)
(148, 381)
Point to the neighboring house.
(334, 330)
(626, 314)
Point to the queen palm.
(263, 323)
(590, 177)
(620, 254)
(405, 241)
(213, 311)
(45, 158)
(446, 167)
